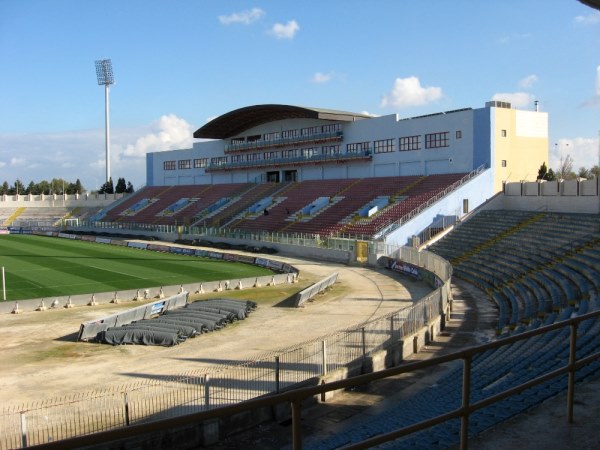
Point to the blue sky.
(179, 63)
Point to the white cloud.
(80, 154)
(320, 77)
(519, 99)
(528, 81)
(17, 162)
(243, 17)
(583, 150)
(513, 37)
(168, 133)
(409, 92)
(287, 31)
(590, 19)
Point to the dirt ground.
(40, 358)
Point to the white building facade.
(280, 143)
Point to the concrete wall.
(569, 196)
(69, 201)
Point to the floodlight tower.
(104, 73)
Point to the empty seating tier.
(530, 264)
(286, 211)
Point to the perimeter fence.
(196, 391)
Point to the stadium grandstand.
(348, 187)
(322, 173)
(51, 212)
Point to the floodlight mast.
(104, 73)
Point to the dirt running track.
(40, 359)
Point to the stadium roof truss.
(236, 122)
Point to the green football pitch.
(39, 267)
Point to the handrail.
(394, 225)
(297, 160)
(283, 142)
(297, 396)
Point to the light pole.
(104, 73)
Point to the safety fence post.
(277, 374)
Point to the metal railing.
(394, 225)
(296, 397)
(283, 142)
(338, 241)
(292, 161)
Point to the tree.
(79, 189)
(17, 189)
(565, 169)
(121, 186)
(595, 171)
(129, 189)
(4, 189)
(107, 188)
(545, 174)
(43, 187)
(584, 173)
(543, 171)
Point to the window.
(503, 133)
(185, 163)
(408, 143)
(169, 165)
(293, 153)
(310, 131)
(200, 163)
(358, 147)
(384, 146)
(253, 157)
(310, 152)
(237, 158)
(254, 138)
(503, 163)
(238, 140)
(330, 150)
(436, 140)
(458, 134)
(271, 136)
(270, 155)
(332, 128)
(218, 161)
(289, 134)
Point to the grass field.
(37, 266)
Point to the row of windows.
(220, 160)
(276, 135)
(185, 164)
(407, 143)
(436, 140)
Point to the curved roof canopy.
(236, 122)
(592, 3)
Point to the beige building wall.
(521, 145)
